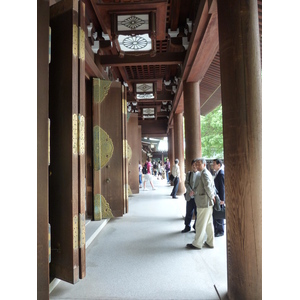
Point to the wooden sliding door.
(67, 140)
(108, 149)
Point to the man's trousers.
(190, 209)
(204, 225)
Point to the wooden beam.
(91, 69)
(103, 10)
(207, 50)
(160, 97)
(175, 12)
(201, 22)
(154, 127)
(130, 60)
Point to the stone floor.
(142, 256)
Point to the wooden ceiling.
(184, 36)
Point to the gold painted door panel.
(108, 149)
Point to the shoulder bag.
(171, 177)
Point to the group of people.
(158, 170)
(151, 170)
(201, 190)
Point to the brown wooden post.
(82, 142)
(171, 147)
(126, 150)
(140, 144)
(64, 165)
(192, 121)
(242, 117)
(179, 151)
(134, 144)
(42, 150)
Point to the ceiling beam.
(175, 11)
(160, 97)
(143, 60)
(205, 27)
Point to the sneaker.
(153, 188)
(145, 190)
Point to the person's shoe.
(153, 188)
(186, 229)
(191, 246)
(208, 246)
(145, 190)
(219, 234)
(175, 197)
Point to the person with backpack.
(191, 207)
(148, 176)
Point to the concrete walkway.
(142, 256)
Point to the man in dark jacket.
(220, 186)
(191, 207)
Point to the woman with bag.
(148, 176)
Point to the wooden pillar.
(192, 121)
(242, 117)
(140, 144)
(178, 147)
(126, 151)
(42, 149)
(171, 147)
(134, 147)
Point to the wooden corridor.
(142, 256)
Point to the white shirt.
(176, 171)
(194, 179)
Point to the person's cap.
(176, 161)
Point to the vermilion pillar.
(179, 151)
(192, 121)
(242, 129)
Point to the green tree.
(212, 134)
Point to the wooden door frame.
(42, 149)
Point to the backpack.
(144, 170)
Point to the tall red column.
(178, 147)
(242, 129)
(192, 121)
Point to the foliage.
(212, 134)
